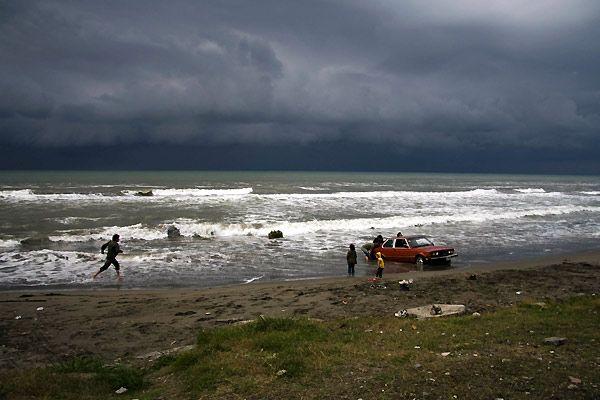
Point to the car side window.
(401, 243)
(388, 243)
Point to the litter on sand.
(121, 390)
(401, 314)
(440, 310)
(39, 309)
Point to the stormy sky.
(481, 86)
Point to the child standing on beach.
(351, 258)
(380, 265)
(113, 250)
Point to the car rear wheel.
(420, 261)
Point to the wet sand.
(130, 324)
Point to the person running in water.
(113, 250)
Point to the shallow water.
(224, 218)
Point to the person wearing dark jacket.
(351, 258)
(112, 250)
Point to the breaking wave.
(189, 227)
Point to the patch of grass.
(498, 355)
(72, 380)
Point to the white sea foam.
(135, 232)
(250, 280)
(591, 193)
(531, 190)
(28, 195)
(72, 220)
(383, 194)
(195, 192)
(8, 243)
(189, 227)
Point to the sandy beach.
(130, 324)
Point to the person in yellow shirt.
(380, 265)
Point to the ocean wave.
(591, 193)
(381, 194)
(72, 220)
(28, 195)
(189, 227)
(530, 190)
(8, 243)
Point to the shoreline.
(393, 270)
(125, 324)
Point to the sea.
(225, 217)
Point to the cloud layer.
(412, 74)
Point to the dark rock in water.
(36, 241)
(275, 234)
(173, 232)
(145, 193)
(557, 341)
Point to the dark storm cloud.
(413, 74)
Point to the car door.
(387, 249)
(401, 250)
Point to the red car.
(415, 249)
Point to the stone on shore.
(275, 234)
(557, 341)
(173, 232)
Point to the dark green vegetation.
(498, 355)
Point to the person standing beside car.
(380, 265)
(351, 259)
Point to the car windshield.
(419, 242)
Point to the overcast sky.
(378, 84)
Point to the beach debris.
(518, 292)
(472, 277)
(405, 284)
(574, 380)
(207, 313)
(144, 193)
(183, 313)
(445, 354)
(436, 310)
(121, 390)
(417, 366)
(556, 341)
(39, 309)
(244, 322)
(18, 317)
(281, 372)
(476, 314)
(572, 386)
(275, 234)
(401, 314)
(444, 310)
(173, 232)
